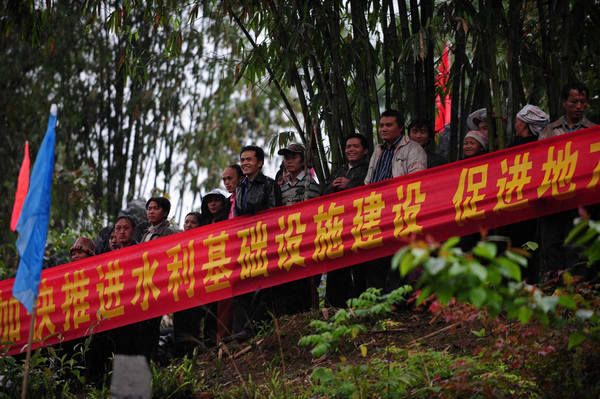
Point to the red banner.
(288, 243)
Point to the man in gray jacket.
(574, 97)
(398, 155)
(553, 229)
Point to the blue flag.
(33, 222)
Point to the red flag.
(443, 106)
(22, 187)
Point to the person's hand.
(340, 182)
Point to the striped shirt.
(383, 169)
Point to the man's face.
(155, 213)
(419, 134)
(250, 164)
(354, 151)
(230, 179)
(214, 205)
(78, 254)
(575, 105)
(293, 163)
(389, 131)
(124, 231)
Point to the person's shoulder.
(587, 123)
(549, 129)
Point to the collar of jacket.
(260, 178)
(400, 142)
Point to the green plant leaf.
(478, 270)
(525, 313)
(451, 242)
(575, 339)
(479, 334)
(509, 268)
(515, 257)
(567, 301)
(407, 263)
(530, 246)
(486, 250)
(575, 231)
(478, 296)
(434, 265)
(320, 349)
(322, 375)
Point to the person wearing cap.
(477, 120)
(420, 132)
(256, 192)
(187, 324)
(299, 185)
(296, 296)
(214, 208)
(157, 211)
(529, 123)
(82, 248)
(574, 98)
(398, 155)
(475, 143)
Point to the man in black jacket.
(256, 191)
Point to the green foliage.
(492, 281)
(53, 373)
(586, 235)
(422, 374)
(332, 333)
(180, 379)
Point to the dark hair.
(258, 152)
(131, 220)
(392, 113)
(580, 87)
(363, 140)
(421, 123)
(162, 203)
(196, 214)
(237, 169)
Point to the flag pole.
(28, 357)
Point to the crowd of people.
(251, 191)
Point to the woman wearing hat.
(82, 248)
(529, 123)
(475, 143)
